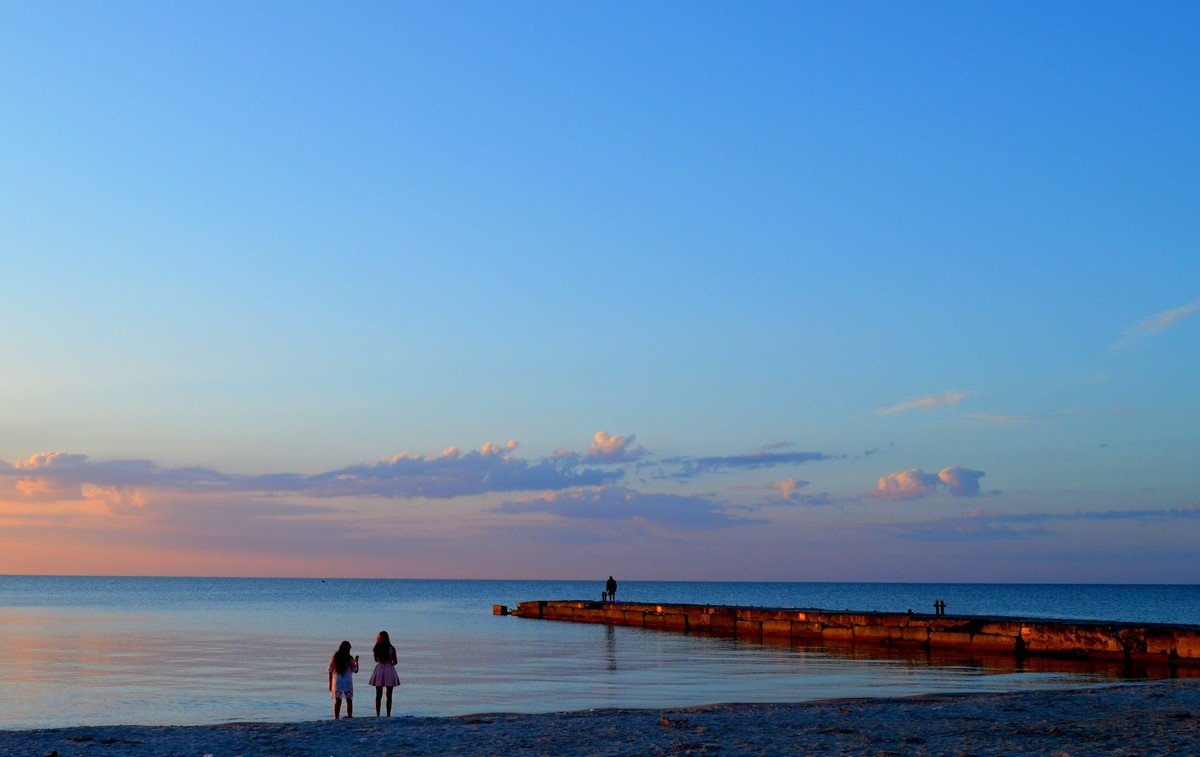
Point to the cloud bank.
(491, 469)
(50, 476)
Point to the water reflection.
(111, 670)
(610, 647)
(995, 663)
(203, 651)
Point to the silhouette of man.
(610, 586)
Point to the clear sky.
(768, 291)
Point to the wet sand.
(1129, 719)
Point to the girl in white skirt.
(342, 668)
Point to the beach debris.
(666, 722)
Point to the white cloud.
(1166, 319)
(928, 402)
(1157, 323)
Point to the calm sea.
(81, 651)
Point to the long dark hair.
(384, 651)
(341, 658)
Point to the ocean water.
(94, 650)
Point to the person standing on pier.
(610, 586)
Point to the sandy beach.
(1132, 719)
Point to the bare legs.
(379, 699)
(337, 708)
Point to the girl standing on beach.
(384, 676)
(342, 668)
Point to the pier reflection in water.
(997, 664)
(610, 646)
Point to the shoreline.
(1160, 717)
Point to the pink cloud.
(606, 446)
(915, 483)
(605, 449)
(788, 486)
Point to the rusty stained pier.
(1082, 640)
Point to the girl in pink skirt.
(384, 676)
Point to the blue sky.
(301, 238)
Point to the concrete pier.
(1020, 637)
